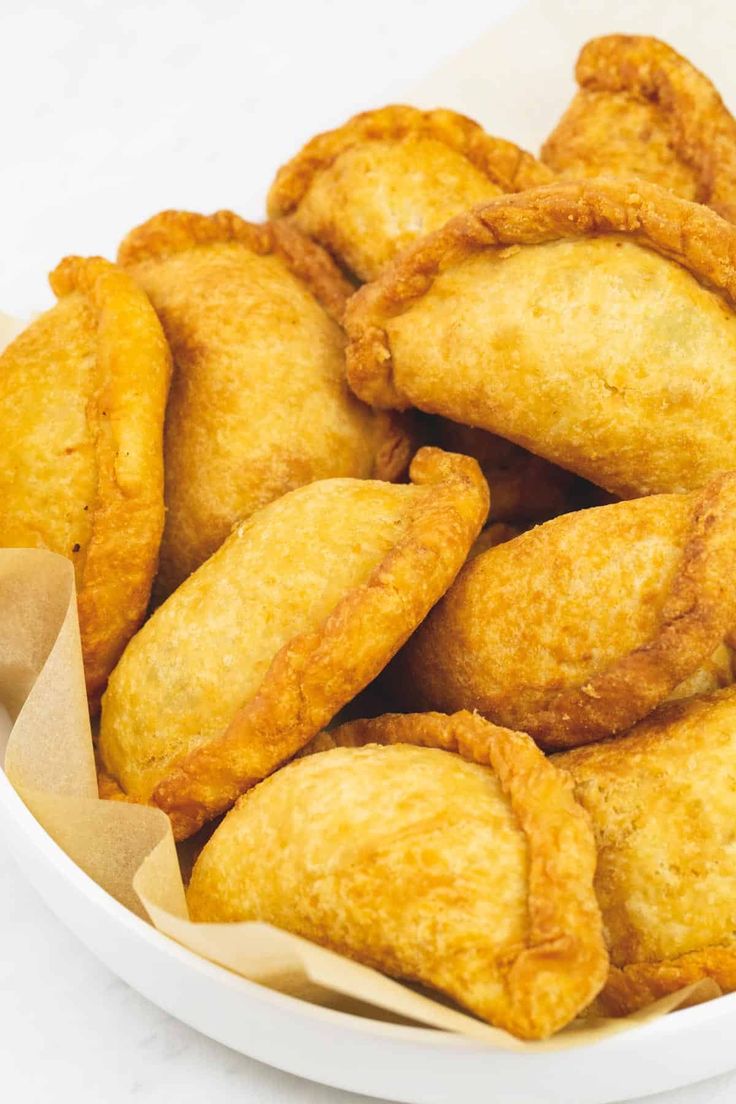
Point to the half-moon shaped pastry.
(661, 802)
(300, 608)
(593, 323)
(474, 879)
(577, 629)
(368, 189)
(259, 403)
(82, 399)
(643, 110)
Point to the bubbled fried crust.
(695, 617)
(700, 129)
(511, 168)
(564, 961)
(134, 368)
(177, 231)
(688, 233)
(316, 673)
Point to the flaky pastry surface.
(82, 398)
(644, 110)
(259, 403)
(591, 322)
(374, 185)
(661, 803)
(300, 608)
(475, 879)
(580, 627)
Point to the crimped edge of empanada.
(701, 130)
(688, 233)
(503, 162)
(316, 673)
(127, 516)
(697, 614)
(172, 232)
(565, 928)
(629, 988)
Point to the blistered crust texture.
(611, 346)
(385, 178)
(580, 627)
(661, 804)
(82, 394)
(475, 879)
(644, 110)
(259, 404)
(298, 610)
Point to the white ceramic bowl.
(409, 1064)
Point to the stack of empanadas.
(498, 480)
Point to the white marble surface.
(111, 112)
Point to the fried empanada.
(300, 608)
(476, 880)
(580, 627)
(661, 800)
(259, 403)
(643, 110)
(385, 178)
(82, 399)
(593, 323)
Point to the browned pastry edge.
(173, 232)
(127, 515)
(316, 673)
(632, 987)
(702, 131)
(687, 233)
(504, 163)
(565, 933)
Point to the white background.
(110, 113)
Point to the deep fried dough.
(385, 178)
(524, 487)
(299, 610)
(661, 800)
(259, 403)
(476, 880)
(593, 323)
(582, 626)
(82, 398)
(643, 110)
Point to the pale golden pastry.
(300, 608)
(368, 189)
(643, 110)
(82, 399)
(580, 627)
(259, 403)
(474, 879)
(661, 800)
(592, 323)
(524, 487)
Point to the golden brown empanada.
(474, 879)
(580, 627)
(259, 403)
(661, 800)
(593, 323)
(82, 399)
(387, 177)
(300, 608)
(643, 110)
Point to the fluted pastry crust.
(536, 959)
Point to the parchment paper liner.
(129, 850)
